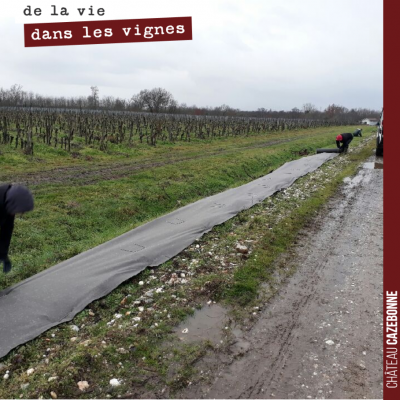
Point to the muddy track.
(89, 174)
(321, 337)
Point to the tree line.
(159, 100)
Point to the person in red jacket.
(14, 199)
(343, 141)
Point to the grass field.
(82, 202)
(85, 199)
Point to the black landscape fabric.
(57, 294)
(335, 150)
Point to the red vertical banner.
(391, 201)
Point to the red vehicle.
(379, 137)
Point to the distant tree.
(225, 110)
(119, 104)
(173, 106)
(137, 102)
(154, 100)
(94, 98)
(14, 96)
(309, 108)
(334, 110)
(107, 102)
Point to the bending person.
(343, 141)
(14, 199)
(357, 133)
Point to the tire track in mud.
(288, 336)
(308, 296)
(320, 337)
(87, 175)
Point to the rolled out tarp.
(57, 294)
(319, 151)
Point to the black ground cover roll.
(57, 294)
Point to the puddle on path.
(369, 165)
(353, 181)
(205, 324)
(373, 165)
(241, 345)
(362, 176)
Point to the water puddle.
(352, 182)
(373, 165)
(205, 324)
(241, 345)
(369, 165)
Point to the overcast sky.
(248, 54)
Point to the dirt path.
(89, 174)
(321, 336)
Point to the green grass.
(47, 158)
(70, 218)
